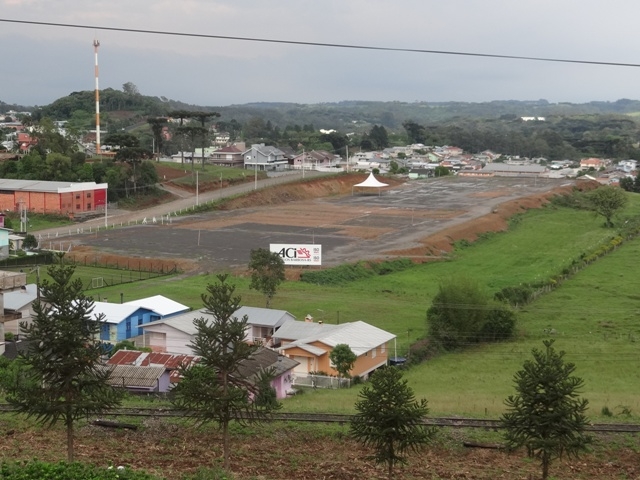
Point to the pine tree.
(546, 415)
(212, 390)
(62, 378)
(389, 418)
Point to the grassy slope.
(593, 314)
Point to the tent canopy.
(372, 182)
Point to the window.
(77, 196)
(88, 194)
(88, 206)
(77, 206)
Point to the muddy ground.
(282, 451)
(417, 219)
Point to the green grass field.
(210, 174)
(92, 277)
(594, 314)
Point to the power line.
(321, 44)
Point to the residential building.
(313, 159)
(175, 334)
(18, 307)
(231, 156)
(263, 157)
(123, 321)
(310, 343)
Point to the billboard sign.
(297, 254)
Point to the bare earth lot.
(418, 219)
(286, 452)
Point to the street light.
(255, 168)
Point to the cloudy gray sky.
(43, 63)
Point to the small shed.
(140, 379)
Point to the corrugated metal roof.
(265, 359)
(159, 304)
(45, 186)
(17, 299)
(505, 167)
(263, 316)
(183, 321)
(296, 330)
(360, 336)
(132, 376)
(114, 312)
(312, 349)
(169, 361)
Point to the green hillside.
(592, 315)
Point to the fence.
(96, 271)
(320, 381)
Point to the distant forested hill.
(344, 116)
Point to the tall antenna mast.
(96, 44)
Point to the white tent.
(371, 182)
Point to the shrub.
(518, 295)
(215, 473)
(68, 471)
(462, 313)
(352, 272)
(500, 325)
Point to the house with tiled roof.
(231, 156)
(310, 343)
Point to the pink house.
(263, 359)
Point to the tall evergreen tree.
(62, 379)
(212, 390)
(389, 418)
(546, 415)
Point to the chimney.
(308, 318)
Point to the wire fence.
(320, 381)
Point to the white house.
(174, 334)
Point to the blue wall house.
(125, 320)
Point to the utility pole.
(96, 44)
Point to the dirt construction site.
(419, 219)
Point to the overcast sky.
(42, 63)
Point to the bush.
(500, 325)
(514, 296)
(210, 474)
(461, 313)
(68, 471)
(352, 272)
